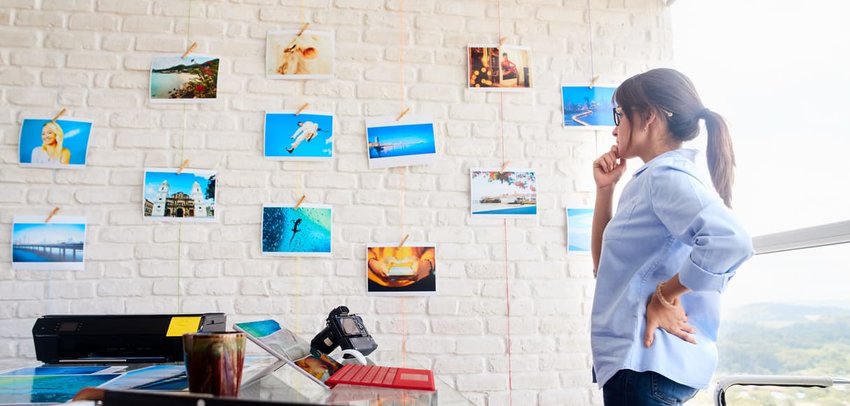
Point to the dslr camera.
(344, 330)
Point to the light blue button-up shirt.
(667, 222)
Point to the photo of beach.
(185, 196)
(579, 222)
(392, 143)
(55, 246)
(405, 270)
(306, 56)
(305, 231)
(193, 79)
(495, 68)
(503, 194)
(588, 107)
(307, 136)
(54, 144)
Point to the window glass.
(777, 70)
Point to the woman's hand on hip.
(608, 168)
(668, 317)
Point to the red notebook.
(385, 377)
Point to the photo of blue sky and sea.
(588, 106)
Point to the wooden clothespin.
(52, 213)
(402, 114)
(300, 109)
(403, 240)
(59, 114)
(301, 200)
(182, 166)
(189, 50)
(502, 41)
(303, 28)
(504, 166)
(593, 81)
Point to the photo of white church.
(188, 195)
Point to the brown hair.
(672, 96)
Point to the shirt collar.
(689, 154)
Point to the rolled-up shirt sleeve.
(698, 218)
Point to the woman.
(669, 250)
(51, 150)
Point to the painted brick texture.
(93, 56)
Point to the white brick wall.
(92, 57)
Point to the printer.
(75, 339)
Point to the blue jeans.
(630, 388)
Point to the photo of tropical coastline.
(305, 231)
(393, 144)
(511, 193)
(192, 79)
(58, 245)
(588, 107)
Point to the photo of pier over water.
(56, 245)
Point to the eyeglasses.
(618, 113)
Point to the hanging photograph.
(307, 136)
(58, 245)
(305, 231)
(306, 56)
(579, 222)
(401, 271)
(186, 196)
(193, 79)
(495, 68)
(394, 143)
(508, 194)
(588, 107)
(54, 144)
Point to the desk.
(270, 379)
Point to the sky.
(782, 84)
(51, 233)
(176, 183)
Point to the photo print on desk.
(307, 136)
(55, 246)
(54, 144)
(193, 79)
(579, 223)
(409, 270)
(511, 193)
(188, 196)
(588, 107)
(305, 231)
(391, 143)
(306, 56)
(499, 68)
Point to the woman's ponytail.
(720, 156)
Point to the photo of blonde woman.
(51, 151)
(54, 144)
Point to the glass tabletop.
(279, 381)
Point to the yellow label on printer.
(182, 325)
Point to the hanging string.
(182, 159)
(403, 181)
(590, 39)
(299, 192)
(505, 226)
